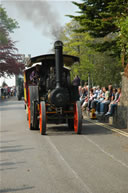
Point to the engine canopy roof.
(68, 60)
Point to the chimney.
(58, 62)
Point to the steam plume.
(41, 14)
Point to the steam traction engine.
(52, 99)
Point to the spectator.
(86, 89)
(87, 101)
(97, 97)
(110, 89)
(111, 97)
(8, 91)
(91, 98)
(80, 90)
(114, 94)
(106, 101)
(114, 103)
(100, 99)
(84, 94)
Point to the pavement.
(104, 124)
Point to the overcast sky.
(40, 22)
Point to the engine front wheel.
(77, 118)
(42, 118)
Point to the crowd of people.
(6, 92)
(102, 101)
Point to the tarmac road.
(61, 161)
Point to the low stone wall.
(120, 119)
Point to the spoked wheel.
(32, 107)
(42, 118)
(77, 118)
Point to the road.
(61, 161)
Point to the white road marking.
(109, 127)
(59, 155)
(114, 129)
(108, 154)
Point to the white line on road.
(108, 154)
(109, 127)
(114, 129)
(59, 155)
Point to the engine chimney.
(59, 96)
(58, 62)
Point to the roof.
(67, 59)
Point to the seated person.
(114, 103)
(83, 96)
(87, 102)
(100, 97)
(105, 102)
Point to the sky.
(40, 22)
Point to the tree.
(9, 23)
(101, 19)
(123, 39)
(103, 68)
(10, 60)
(4, 84)
(75, 44)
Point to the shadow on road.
(88, 128)
(16, 189)
(10, 108)
(7, 141)
(15, 150)
(10, 163)
(54, 130)
(10, 146)
(5, 169)
(92, 129)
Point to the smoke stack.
(38, 11)
(58, 62)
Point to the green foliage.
(10, 60)
(103, 68)
(106, 20)
(8, 23)
(75, 44)
(106, 70)
(123, 38)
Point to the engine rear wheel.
(77, 118)
(29, 112)
(42, 118)
(32, 107)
